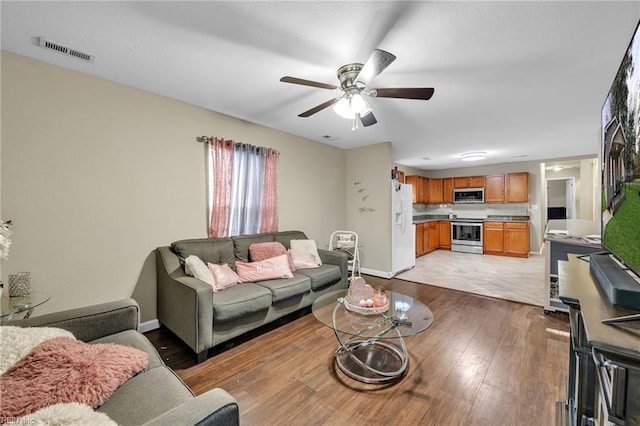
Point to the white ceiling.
(522, 81)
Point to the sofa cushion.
(285, 237)
(262, 251)
(134, 339)
(241, 244)
(322, 276)
(63, 370)
(283, 289)
(195, 267)
(309, 246)
(268, 269)
(146, 396)
(210, 250)
(223, 276)
(302, 259)
(239, 300)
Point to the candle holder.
(19, 284)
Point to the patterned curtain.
(243, 188)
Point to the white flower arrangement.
(5, 238)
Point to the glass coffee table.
(10, 307)
(371, 346)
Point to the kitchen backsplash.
(473, 210)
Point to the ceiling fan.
(354, 79)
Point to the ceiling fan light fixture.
(350, 105)
(473, 156)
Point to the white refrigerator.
(402, 228)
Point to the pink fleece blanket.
(66, 370)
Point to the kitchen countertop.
(573, 231)
(490, 218)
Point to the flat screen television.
(621, 162)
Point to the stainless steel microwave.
(468, 195)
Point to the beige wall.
(369, 205)
(95, 175)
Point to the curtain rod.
(203, 139)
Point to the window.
(243, 188)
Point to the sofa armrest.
(338, 258)
(91, 322)
(214, 407)
(185, 304)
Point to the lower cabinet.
(506, 238)
(516, 239)
(431, 236)
(444, 227)
(419, 239)
(493, 238)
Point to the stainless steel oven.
(466, 236)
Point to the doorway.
(561, 201)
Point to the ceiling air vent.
(57, 47)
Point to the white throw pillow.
(302, 259)
(308, 246)
(195, 267)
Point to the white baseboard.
(376, 273)
(148, 326)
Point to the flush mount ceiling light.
(473, 156)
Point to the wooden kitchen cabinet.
(444, 231)
(433, 239)
(420, 186)
(468, 182)
(435, 191)
(447, 190)
(413, 181)
(517, 187)
(493, 237)
(494, 189)
(506, 238)
(419, 239)
(516, 239)
(423, 184)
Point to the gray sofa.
(155, 396)
(203, 319)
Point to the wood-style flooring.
(484, 361)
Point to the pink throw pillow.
(67, 370)
(223, 276)
(268, 269)
(302, 259)
(262, 251)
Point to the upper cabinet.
(517, 187)
(509, 188)
(436, 191)
(447, 190)
(494, 189)
(420, 188)
(468, 182)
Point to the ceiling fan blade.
(423, 93)
(319, 107)
(377, 62)
(295, 80)
(368, 120)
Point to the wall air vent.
(57, 47)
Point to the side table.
(10, 307)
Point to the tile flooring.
(509, 278)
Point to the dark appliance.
(468, 195)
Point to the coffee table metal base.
(372, 361)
